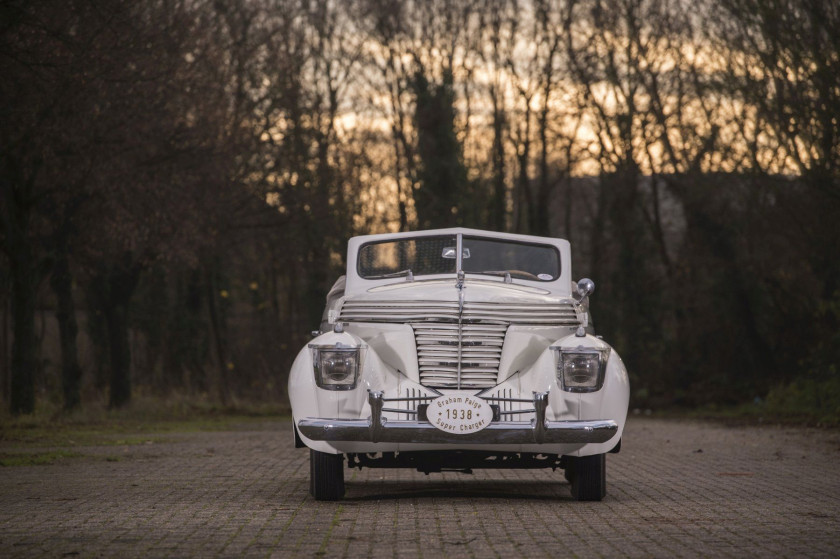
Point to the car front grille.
(479, 351)
(446, 337)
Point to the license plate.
(460, 413)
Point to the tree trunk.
(116, 318)
(597, 231)
(97, 331)
(4, 364)
(116, 286)
(71, 371)
(568, 207)
(523, 184)
(15, 211)
(497, 203)
(25, 345)
(216, 326)
(541, 212)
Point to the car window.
(420, 255)
(521, 260)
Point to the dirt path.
(676, 489)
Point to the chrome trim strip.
(459, 284)
(379, 429)
(503, 432)
(375, 427)
(459, 246)
(497, 399)
(399, 410)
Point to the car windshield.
(430, 255)
(419, 256)
(520, 260)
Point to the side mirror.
(585, 287)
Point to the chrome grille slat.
(392, 317)
(399, 304)
(483, 327)
(481, 352)
(406, 406)
(509, 406)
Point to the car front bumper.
(379, 429)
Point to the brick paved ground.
(676, 489)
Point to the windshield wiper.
(409, 276)
(501, 273)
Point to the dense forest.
(179, 178)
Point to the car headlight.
(581, 369)
(336, 368)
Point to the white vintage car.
(456, 349)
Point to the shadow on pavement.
(480, 489)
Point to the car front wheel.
(326, 475)
(587, 476)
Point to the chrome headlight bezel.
(336, 367)
(581, 369)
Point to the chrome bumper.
(377, 429)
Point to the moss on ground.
(36, 458)
(791, 410)
(140, 423)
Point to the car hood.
(475, 290)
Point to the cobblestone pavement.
(676, 489)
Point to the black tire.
(326, 476)
(567, 472)
(587, 476)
